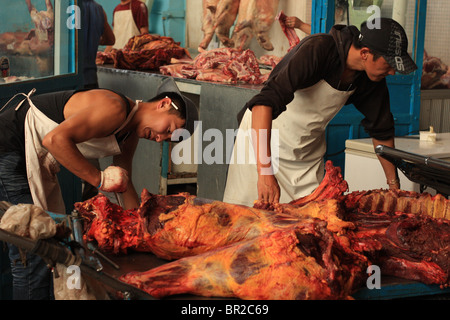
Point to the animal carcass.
(255, 18)
(226, 250)
(218, 18)
(174, 226)
(305, 262)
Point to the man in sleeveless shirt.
(67, 128)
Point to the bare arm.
(90, 114)
(107, 37)
(390, 170)
(294, 22)
(144, 30)
(268, 188)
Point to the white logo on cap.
(398, 51)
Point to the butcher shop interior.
(346, 200)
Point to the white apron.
(298, 145)
(124, 28)
(42, 167)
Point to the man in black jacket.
(303, 93)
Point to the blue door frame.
(406, 111)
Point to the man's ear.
(164, 103)
(364, 52)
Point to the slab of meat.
(264, 17)
(332, 186)
(194, 229)
(406, 233)
(220, 65)
(290, 33)
(269, 60)
(144, 52)
(322, 242)
(435, 73)
(301, 263)
(410, 246)
(117, 230)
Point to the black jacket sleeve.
(302, 67)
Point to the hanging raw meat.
(227, 11)
(208, 23)
(305, 262)
(255, 18)
(218, 18)
(290, 33)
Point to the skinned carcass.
(226, 13)
(255, 18)
(208, 22)
(305, 262)
(223, 249)
(174, 226)
(218, 18)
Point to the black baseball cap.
(167, 88)
(388, 38)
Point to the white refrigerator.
(363, 171)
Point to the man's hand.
(268, 189)
(394, 184)
(114, 179)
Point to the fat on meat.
(301, 263)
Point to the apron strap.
(27, 96)
(132, 112)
